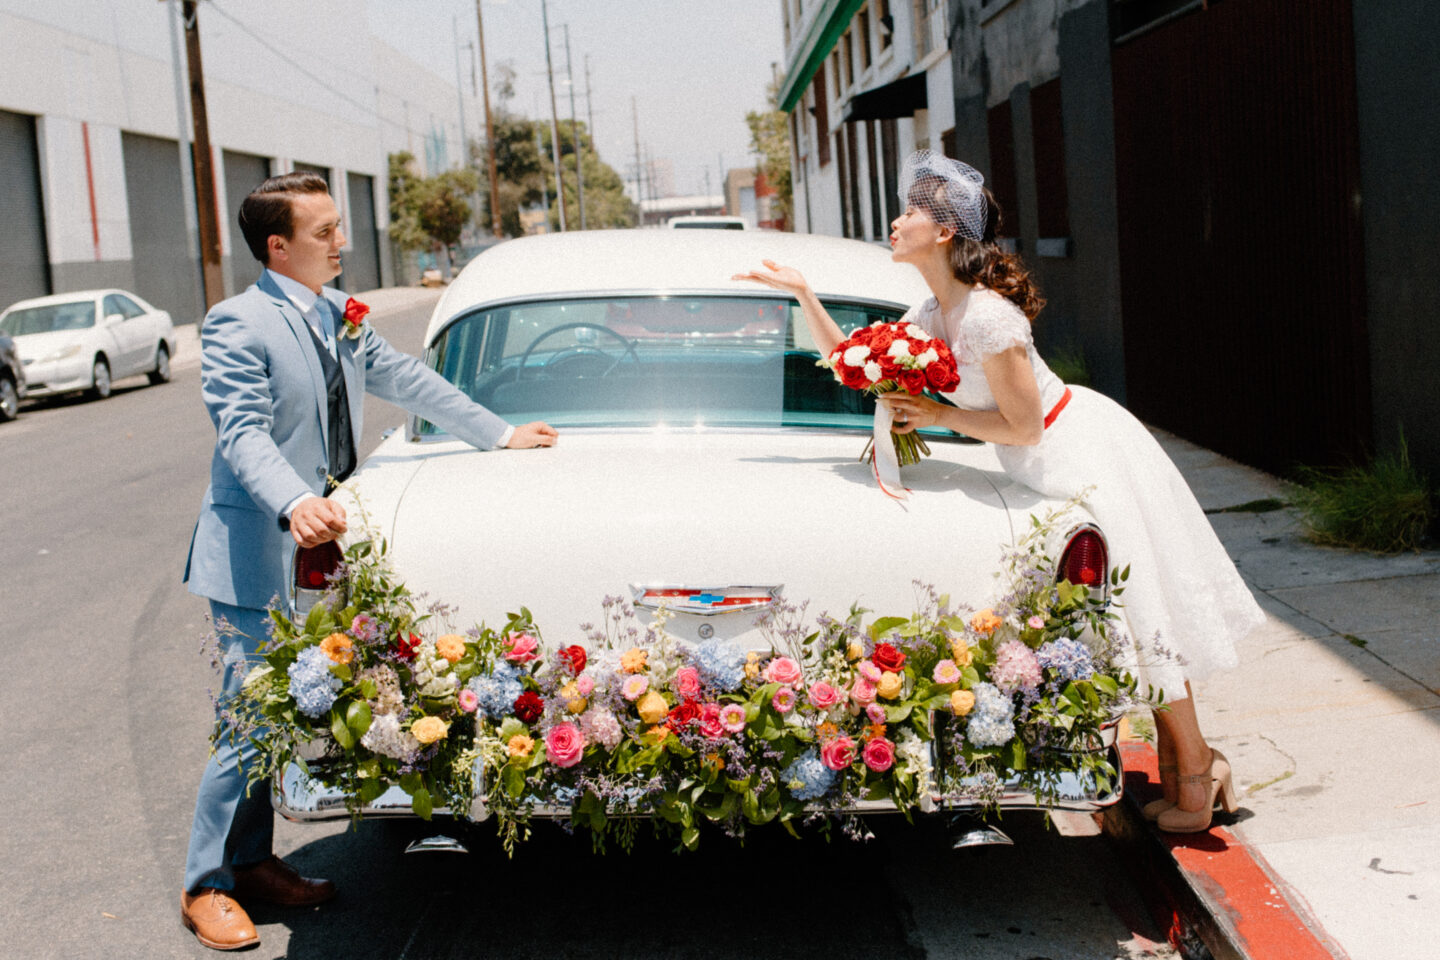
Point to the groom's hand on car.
(316, 520)
(536, 434)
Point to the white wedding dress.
(1185, 604)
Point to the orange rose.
(890, 685)
(338, 647)
(451, 646)
(985, 622)
(652, 707)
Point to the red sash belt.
(1055, 410)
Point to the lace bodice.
(980, 326)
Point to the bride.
(1185, 604)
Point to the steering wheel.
(570, 354)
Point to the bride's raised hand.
(787, 279)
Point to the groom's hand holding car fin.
(317, 520)
(535, 434)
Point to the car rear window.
(48, 319)
(638, 361)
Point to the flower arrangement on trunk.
(889, 357)
(948, 705)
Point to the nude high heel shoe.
(1222, 790)
(1152, 810)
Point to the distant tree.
(442, 207)
(770, 140)
(405, 187)
(606, 204)
(518, 169)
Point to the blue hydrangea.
(721, 665)
(497, 692)
(992, 722)
(807, 778)
(1068, 657)
(311, 683)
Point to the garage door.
(243, 173)
(167, 270)
(362, 263)
(24, 263)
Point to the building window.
(843, 180)
(848, 46)
(857, 228)
(890, 156)
(862, 27)
(1002, 168)
(1051, 198)
(821, 110)
(929, 27)
(785, 20)
(877, 202)
(886, 23)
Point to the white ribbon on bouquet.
(884, 459)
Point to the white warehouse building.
(91, 122)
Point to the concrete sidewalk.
(1331, 723)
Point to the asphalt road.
(104, 713)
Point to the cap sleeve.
(992, 325)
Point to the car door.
(132, 333)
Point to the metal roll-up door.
(24, 262)
(167, 270)
(243, 173)
(362, 263)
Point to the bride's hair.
(985, 262)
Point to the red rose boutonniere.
(354, 317)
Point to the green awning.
(825, 31)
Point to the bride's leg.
(1189, 751)
(1165, 751)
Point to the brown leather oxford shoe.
(275, 881)
(217, 920)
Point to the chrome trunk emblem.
(705, 601)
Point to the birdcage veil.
(949, 191)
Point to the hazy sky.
(693, 67)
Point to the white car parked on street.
(84, 341)
(705, 461)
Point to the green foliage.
(1068, 363)
(770, 141)
(405, 230)
(606, 205)
(1386, 506)
(428, 210)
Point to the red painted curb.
(1233, 902)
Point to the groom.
(283, 378)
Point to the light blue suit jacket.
(265, 391)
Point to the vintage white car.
(705, 461)
(86, 340)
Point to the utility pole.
(460, 91)
(544, 195)
(489, 128)
(639, 193)
(187, 158)
(212, 275)
(554, 115)
(575, 133)
(589, 103)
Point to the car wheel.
(9, 399)
(100, 380)
(161, 373)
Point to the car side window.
(127, 308)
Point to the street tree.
(606, 204)
(770, 141)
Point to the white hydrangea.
(386, 738)
(432, 673)
(916, 333)
(915, 754)
(928, 357)
(857, 355)
(873, 373)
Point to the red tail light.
(314, 564)
(1085, 560)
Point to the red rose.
(918, 346)
(573, 657)
(853, 377)
(683, 715)
(942, 375)
(528, 706)
(880, 343)
(912, 381)
(887, 658)
(406, 649)
(355, 312)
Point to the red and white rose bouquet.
(887, 357)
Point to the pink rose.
(710, 724)
(564, 744)
(875, 712)
(522, 648)
(584, 684)
(863, 691)
(879, 754)
(838, 753)
(687, 682)
(784, 700)
(823, 696)
(869, 671)
(783, 670)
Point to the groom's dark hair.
(266, 211)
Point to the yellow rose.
(985, 622)
(960, 652)
(429, 729)
(338, 647)
(573, 701)
(520, 746)
(652, 707)
(633, 660)
(962, 702)
(890, 685)
(855, 650)
(451, 646)
(752, 664)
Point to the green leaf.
(357, 717)
(898, 713)
(421, 803)
(512, 778)
(339, 730)
(884, 625)
(690, 837)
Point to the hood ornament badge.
(705, 601)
